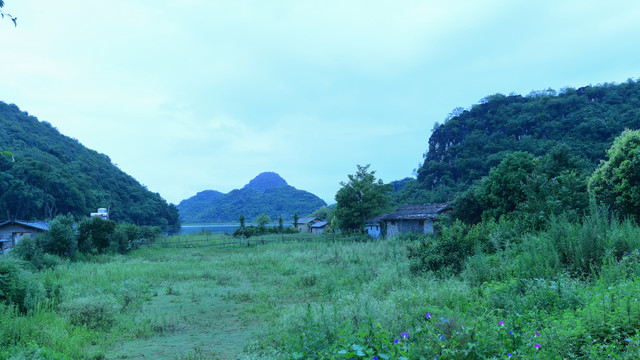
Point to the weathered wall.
(409, 226)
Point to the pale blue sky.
(198, 94)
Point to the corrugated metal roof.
(416, 212)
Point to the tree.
(280, 224)
(502, 191)
(361, 198)
(3, 14)
(94, 234)
(241, 219)
(295, 219)
(61, 239)
(262, 220)
(616, 182)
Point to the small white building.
(374, 226)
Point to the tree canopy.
(361, 198)
(616, 182)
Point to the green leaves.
(362, 197)
(616, 182)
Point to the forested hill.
(267, 193)
(470, 142)
(54, 174)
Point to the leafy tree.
(295, 219)
(325, 213)
(616, 182)
(280, 224)
(94, 234)
(503, 190)
(262, 220)
(362, 197)
(241, 219)
(61, 239)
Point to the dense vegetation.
(53, 174)
(266, 194)
(472, 141)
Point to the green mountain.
(581, 122)
(267, 193)
(54, 174)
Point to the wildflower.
(396, 341)
(404, 335)
(428, 316)
(537, 346)
(510, 332)
(501, 323)
(375, 357)
(509, 354)
(537, 335)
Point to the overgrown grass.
(342, 298)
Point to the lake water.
(214, 228)
(188, 229)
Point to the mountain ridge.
(266, 193)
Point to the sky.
(196, 95)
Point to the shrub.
(61, 238)
(450, 249)
(17, 287)
(93, 312)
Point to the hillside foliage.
(472, 141)
(267, 194)
(53, 174)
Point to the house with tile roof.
(413, 218)
(12, 231)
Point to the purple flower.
(509, 354)
(396, 341)
(510, 332)
(501, 323)
(404, 335)
(375, 358)
(537, 335)
(428, 316)
(537, 346)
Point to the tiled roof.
(38, 225)
(416, 212)
(306, 220)
(319, 224)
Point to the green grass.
(316, 299)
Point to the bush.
(450, 249)
(60, 239)
(93, 312)
(17, 287)
(94, 234)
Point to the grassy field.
(329, 298)
(208, 302)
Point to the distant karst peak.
(266, 181)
